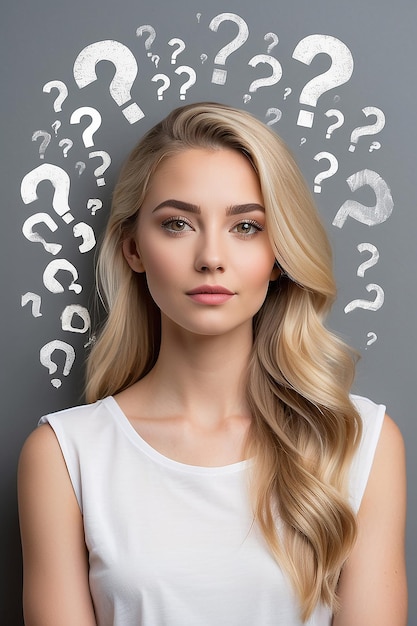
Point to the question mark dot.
(133, 113)
(317, 189)
(219, 76)
(352, 148)
(100, 182)
(305, 118)
(68, 218)
(56, 382)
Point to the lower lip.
(211, 298)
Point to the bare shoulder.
(41, 450)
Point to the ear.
(275, 272)
(132, 255)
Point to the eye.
(176, 225)
(247, 228)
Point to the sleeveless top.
(172, 544)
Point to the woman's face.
(201, 240)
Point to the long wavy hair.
(305, 429)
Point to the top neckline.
(144, 446)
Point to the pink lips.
(210, 294)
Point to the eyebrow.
(235, 209)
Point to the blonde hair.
(305, 429)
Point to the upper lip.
(210, 289)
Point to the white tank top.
(173, 544)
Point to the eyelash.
(166, 223)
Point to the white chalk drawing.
(66, 145)
(94, 115)
(369, 305)
(370, 129)
(46, 140)
(371, 216)
(56, 126)
(62, 93)
(87, 233)
(273, 38)
(147, 28)
(219, 75)
(276, 113)
(267, 81)
(340, 118)
(95, 204)
(36, 303)
(375, 145)
(52, 284)
(192, 77)
(106, 162)
(45, 356)
(59, 180)
(34, 236)
(80, 167)
(166, 81)
(175, 41)
(331, 171)
(372, 337)
(68, 315)
(373, 260)
(339, 72)
(287, 92)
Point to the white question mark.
(203, 57)
(68, 314)
(371, 129)
(274, 78)
(198, 16)
(192, 77)
(372, 338)
(87, 233)
(375, 145)
(27, 229)
(59, 180)
(366, 214)
(340, 119)
(45, 143)
(67, 145)
(368, 305)
(103, 167)
(334, 166)
(219, 75)
(155, 59)
(56, 126)
(45, 357)
(166, 81)
(52, 284)
(367, 247)
(287, 92)
(124, 77)
(36, 303)
(181, 47)
(63, 92)
(95, 124)
(95, 204)
(303, 141)
(80, 167)
(339, 72)
(276, 113)
(274, 41)
(147, 28)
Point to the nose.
(209, 254)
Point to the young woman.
(222, 474)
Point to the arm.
(55, 563)
(373, 585)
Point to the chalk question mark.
(67, 145)
(192, 77)
(52, 284)
(95, 204)
(31, 235)
(367, 247)
(44, 144)
(95, 124)
(340, 119)
(370, 216)
(375, 145)
(62, 93)
(87, 233)
(219, 75)
(276, 113)
(181, 47)
(124, 77)
(339, 72)
(287, 92)
(80, 167)
(101, 168)
(273, 38)
(45, 357)
(274, 78)
(56, 126)
(59, 180)
(147, 28)
(166, 81)
(368, 305)
(334, 166)
(36, 303)
(371, 129)
(372, 337)
(68, 315)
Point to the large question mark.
(45, 357)
(36, 303)
(219, 75)
(368, 305)
(192, 77)
(27, 229)
(67, 145)
(371, 129)
(147, 28)
(91, 128)
(274, 78)
(87, 233)
(339, 72)
(45, 143)
(101, 168)
(68, 314)
(181, 47)
(166, 81)
(366, 214)
(276, 113)
(273, 38)
(340, 119)
(62, 90)
(124, 77)
(52, 284)
(59, 180)
(367, 247)
(334, 166)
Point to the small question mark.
(366, 214)
(198, 16)
(45, 357)
(192, 77)
(276, 113)
(303, 141)
(68, 314)
(103, 167)
(339, 72)
(371, 129)
(334, 166)
(56, 126)
(147, 28)
(45, 143)
(287, 92)
(63, 93)
(368, 305)
(87, 233)
(367, 247)
(95, 124)
(372, 338)
(274, 41)
(155, 59)
(59, 180)
(67, 145)
(181, 48)
(36, 303)
(203, 57)
(95, 204)
(375, 145)
(219, 75)
(166, 81)
(124, 77)
(80, 167)
(52, 284)
(27, 229)
(340, 119)
(274, 78)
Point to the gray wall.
(368, 204)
